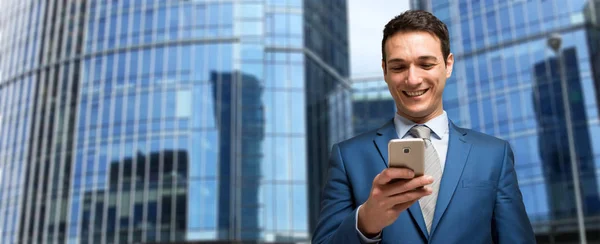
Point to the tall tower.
(162, 121)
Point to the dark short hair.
(417, 20)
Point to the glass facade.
(507, 83)
(372, 104)
(327, 69)
(143, 121)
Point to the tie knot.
(420, 131)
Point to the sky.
(366, 22)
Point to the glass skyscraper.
(507, 83)
(150, 120)
(372, 104)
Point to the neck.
(423, 119)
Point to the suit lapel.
(384, 135)
(417, 215)
(458, 151)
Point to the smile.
(415, 93)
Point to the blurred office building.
(168, 121)
(507, 82)
(372, 104)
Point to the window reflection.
(299, 219)
(153, 122)
(283, 208)
(238, 94)
(549, 112)
(138, 170)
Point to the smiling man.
(469, 193)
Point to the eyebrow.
(422, 58)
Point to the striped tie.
(433, 169)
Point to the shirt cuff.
(364, 239)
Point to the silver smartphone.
(407, 153)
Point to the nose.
(413, 78)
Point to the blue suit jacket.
(479, 199)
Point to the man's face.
(416, 74)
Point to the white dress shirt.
(440, 134)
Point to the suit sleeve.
(338, 211)
(510, 221)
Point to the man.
(469, 193)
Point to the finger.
(394, 173)
(403, 206)
(406, 185)
(407, 197)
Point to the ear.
(383, 67)
(449, 65)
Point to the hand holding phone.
(392, 192)
(397, 187)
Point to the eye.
(398, 68)
(427, 66)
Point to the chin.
(418, 111)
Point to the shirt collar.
(438, 125)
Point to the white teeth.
(414, 94)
